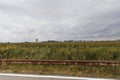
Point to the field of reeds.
(62, 51)
(95, 50)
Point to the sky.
(26, 20)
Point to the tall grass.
(101, 50)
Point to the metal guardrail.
(62, 62)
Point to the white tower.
(36, 40)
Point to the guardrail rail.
(62, 62)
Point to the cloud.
(25, 20)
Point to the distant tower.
(36, 40)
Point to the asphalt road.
(4, 76)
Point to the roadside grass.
(63, 70)
(96, 50)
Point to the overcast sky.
(25, 20)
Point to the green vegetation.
(102, 50)
(62, 51)
(65, 70)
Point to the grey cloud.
(104, 26)
(25, 20)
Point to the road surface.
(4, 76)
